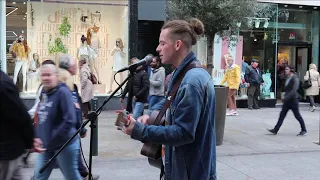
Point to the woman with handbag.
(86, 86)
(312, 85)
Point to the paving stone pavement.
(249, 152)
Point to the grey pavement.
(249, 152)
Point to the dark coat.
(16, 130)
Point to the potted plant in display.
(56, 46)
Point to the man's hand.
(37, 146)
(128, 130)
(144, 119)
(121, 100)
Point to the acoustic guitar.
(152, 150)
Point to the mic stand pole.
(92, 117)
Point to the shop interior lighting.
(257, 23)
(13, 10)
(14, 34)
(266, 24)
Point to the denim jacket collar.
(187, 60)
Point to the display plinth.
(99, 88)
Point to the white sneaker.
(312, 109)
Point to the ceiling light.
(24, 2)
(315, 8)
(266, 24)
(11, 34)
(13, 2)
(257, 23)
(300, 6)
(13, 10)
(255, 39)
(24, 18)
(285, 5)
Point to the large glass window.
(52, 29)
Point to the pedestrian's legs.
(297, 115)
(232, 99)
(152, 101)
(255, 96)
(68, 160)
(138, 110)
(85, 109)
(11, 170)
(311, 98)
(43, 158)
(283, 113)
(251, 90)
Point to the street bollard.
(220, 111)
(94, 128)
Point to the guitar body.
(152, 150)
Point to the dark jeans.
(86, 107)
(253, 94)
(311, 98)
(154, 100)
(294, 106)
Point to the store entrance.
(298, 55)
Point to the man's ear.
(178, 44)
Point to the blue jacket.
(57, 117)
(189, 136)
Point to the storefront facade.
(52, 28)
(290, 36)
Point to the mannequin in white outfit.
(118, 61)
(21, 52)
(33, 80)
(84, 50)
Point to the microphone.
(145, 61)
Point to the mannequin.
(118, 61)
(33, 81)
(94, 42)
(84, 50)
(21, 52)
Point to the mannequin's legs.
(111, 82)
(25, 66)
(16, 70)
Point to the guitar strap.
(174, 90)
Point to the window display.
(84, 29)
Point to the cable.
(84, 159)
(114, 78)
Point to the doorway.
(298, 55)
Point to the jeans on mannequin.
(24, 65)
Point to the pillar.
(316, 34)
(133, 28)
(3, 40)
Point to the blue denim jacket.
(189, 136)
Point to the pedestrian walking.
(290, 101)
(313, 76)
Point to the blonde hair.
(121, 46)
(312, 66)
(65, 77)
(185, 30)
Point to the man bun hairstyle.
(185, 30)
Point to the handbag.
(307, 84)
(93, 78)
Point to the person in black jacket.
(139, 87)
(16, 130)
(253, 77)
(290, 101)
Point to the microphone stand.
(92, 117)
